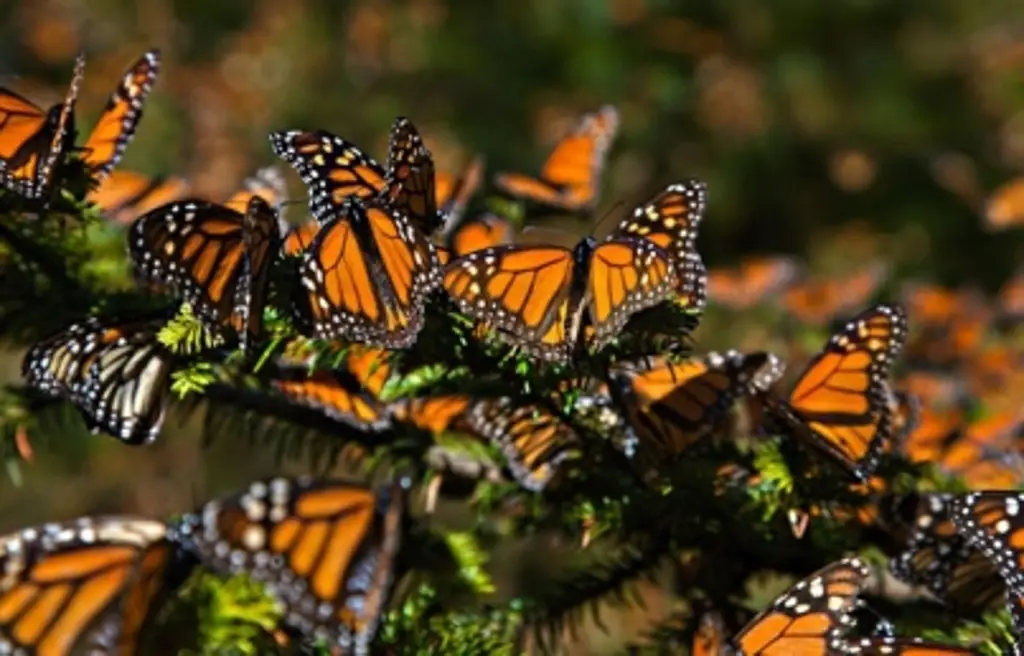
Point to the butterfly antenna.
(614, 210)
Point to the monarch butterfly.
(536, 296)
(951, 323)
(937, 557)
(932, 435)
(125, 195)
(338, 395)
(213, 257)
(752, 282)
(325, 550)
(709, 640)
(116, 125)
(984, 453)
(410, 179)
(32, 141)
(673, 405)
(1004, 207)
(810, 617)
(570, 176)
(817, 301)
(366, 276)
(483, 231)
(116, 374)
(892, 646)
(453, 194)
(298, 238)
(84, 586)
(992, 522)
(533, 441)
(840, 403)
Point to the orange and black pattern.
(811, 617)
(325, 549)
(840, 403)
(674, 405)
(116, 374)
(366, 277)
(33, 141)
(571, 174)
(84, 586)
(410, 179)
(752, 282)
(123, 196)
(119, 119)
(211, 256)
(992, 522)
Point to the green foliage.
(235, 615)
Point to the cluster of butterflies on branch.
(389, 245)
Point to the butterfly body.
(366, 275)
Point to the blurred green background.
(837, 132)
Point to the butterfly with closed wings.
(83, 586)
(211, 256)
(840, 403)
(116, 373)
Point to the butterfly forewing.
(625, 277)
(809, 618)
(410, 179)
(123, 196)
(331, 167)
(116, 125)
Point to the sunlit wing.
(817, 301)
(267, 183)
(32, 142)
(116, 125)
(523, 292)
(1005, 207)
(753, 281)
(332, 168)
(570, 177)
(480, 232)
(454, 194)
(841, 398)
(410, 178)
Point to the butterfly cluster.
(394, 317)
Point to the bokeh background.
(841, 133)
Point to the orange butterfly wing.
(889, 646)
(1005, 207)
(484, 231)
(810, 617)
(267, 183)
(841, 397)
(123, 196)
(753, 281)
(816, 302)
(670, 221)
(332, 544)
(709, 640)
(116, 125)
(299, 238)
(32, 142)
(366, 277)
(211, 256)
(337, 397)
(523, 292)
(84, 585)
(331, 167)
(673, 405)
(569, 178)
